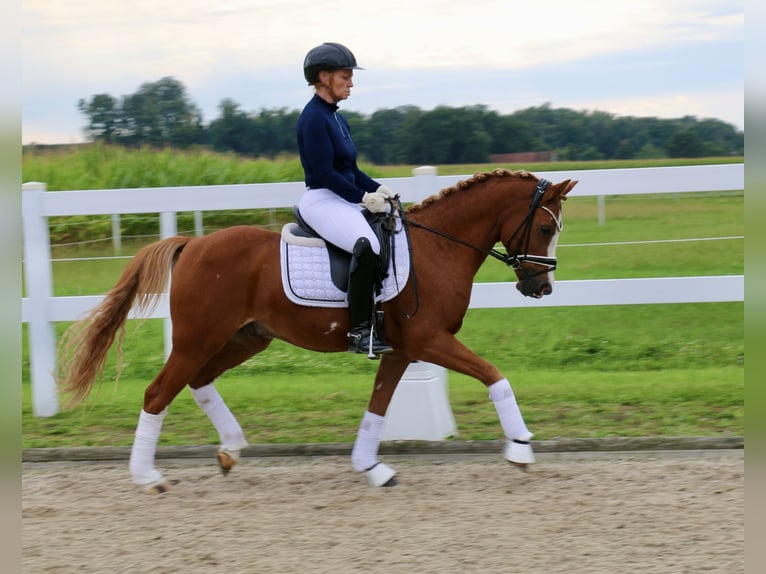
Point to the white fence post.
(168, 228)
(425, 182)
(601, 210)
(38, 279)
(116, 234)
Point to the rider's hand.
(375, 202)
(386, 192)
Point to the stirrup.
(364, 341)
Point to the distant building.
(524, 157)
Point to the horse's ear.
(565, 187)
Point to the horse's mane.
(467, 183)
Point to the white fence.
(40, 309)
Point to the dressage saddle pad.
(307, 269)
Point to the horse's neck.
(473, 219)
(471, 222)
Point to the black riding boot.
(363, 338)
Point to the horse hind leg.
(143, 452)
(158, 395)
(229, 430)
(244, 344)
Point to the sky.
(660, 58)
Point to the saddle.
(384, 227)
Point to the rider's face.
(339, 84)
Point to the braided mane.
(466, 184)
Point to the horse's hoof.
(380, 475)
(159, 488)
(225, 461)
(523, 467)
(391, 482)
(519, 453)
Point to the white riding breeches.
(335, 219)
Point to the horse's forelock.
(467, 183)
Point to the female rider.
(335, 186)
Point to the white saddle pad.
(306, 270)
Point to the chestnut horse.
(227, 304)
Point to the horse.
(227, 304)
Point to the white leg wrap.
(518, 452)
(229, 431)
(144, 448)
(364, 455)
(380, 475)
(508, 411)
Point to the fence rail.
(40, 309)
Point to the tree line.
(161, 114)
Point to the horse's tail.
(83, 347)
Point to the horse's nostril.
(547, 289)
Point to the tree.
(386, 133)
(275, 132)
(233, 131)
(685, 143)
(103, 113)
(160, 113)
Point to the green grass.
(578, 372)
(627, 370)
(100, 166)
(322, 407)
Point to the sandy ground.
(673, 512)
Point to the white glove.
(375, 202)
(386, 192)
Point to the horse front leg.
(364, 455)
(447, 351)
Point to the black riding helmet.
(327, 56)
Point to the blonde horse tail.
(83, 347)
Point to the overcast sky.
(664, 58)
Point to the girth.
(382, 224)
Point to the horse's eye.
(546, 230)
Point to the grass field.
(578, 372)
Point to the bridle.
(513, 258)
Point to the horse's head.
(531, 245)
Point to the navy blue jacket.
(328, 155)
